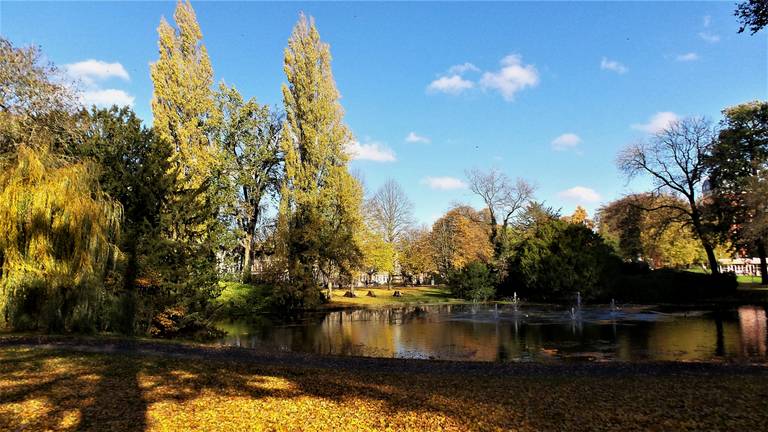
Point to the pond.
(489, 332)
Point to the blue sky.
(545, 91)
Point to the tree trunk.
(495, 238)
(763, 266)
(248, 258)
(714, 266)
(129, 286)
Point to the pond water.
(488, 332)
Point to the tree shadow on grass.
(115, 391)
(45, 390)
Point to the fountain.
(614, 308)
(576, 310)
(515, 302)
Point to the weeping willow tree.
(58, 232)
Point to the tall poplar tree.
(184, 111)
(320, 200)
(183, 104)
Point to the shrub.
(557, 259)
(178, 322)
(671, 286)
(473, 282)
(239, 300)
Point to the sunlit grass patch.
(385, 296)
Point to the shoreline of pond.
(189, 350)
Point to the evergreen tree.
(184, 111)
(134, 165)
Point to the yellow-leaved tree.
(460, 237)
(184, 117)
(378, 254)
(320, 200)
(183, 104)
(58, 233)
(58, 229)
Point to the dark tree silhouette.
(752, 14)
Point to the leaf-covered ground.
(114, 389)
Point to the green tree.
(474, 281)
(738, 156)
(557, 259)
(757, 226)
(134, 165)
(320, 201)
(249, 134)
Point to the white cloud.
(93, 72)
(413, 137)
(613, 65)
(707, 20)
(453, 84)
(658, 122)
(107, 98)
(687, 57)
(709, 37)
(444, 183)
(511, 78)
(90, 71)
(371, 151)
(566, 141)
(463, 68)
(580, 194)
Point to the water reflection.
(490, 333)
(754, 336)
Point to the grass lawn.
(46, 389)
(384, 297)
(746, 279)
(746, 282)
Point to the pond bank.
(95, 384)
